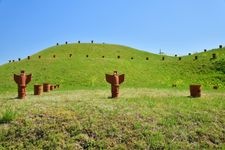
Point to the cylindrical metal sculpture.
(22, 80)
(38, 89)
(46, 87)
(195, 90)
(115, 80)
(51, 87)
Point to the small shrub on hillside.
(219, 66)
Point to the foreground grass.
(139, 119)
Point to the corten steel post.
(195, 90)
(38, 89)
(115, 80)
(22, 80)
(46, 87)
(51, 87)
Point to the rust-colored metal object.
(215, 87)
(51, 87)
(196, 57)
(115, 80)
(195, 90)
(46, 87)
(22, 80)
(214, 56)
(38, 89)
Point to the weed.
(8, 115)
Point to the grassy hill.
(86, 67)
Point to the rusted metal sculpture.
(38, 89)
(214, 56)
(22, 80)
(215, 87)
(195, 90)
(46, 87)
(51, 87)
(115, 80)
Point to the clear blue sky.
(174, 26)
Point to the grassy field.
(142, 118)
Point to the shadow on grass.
(193, 97)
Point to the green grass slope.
(82, 72)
